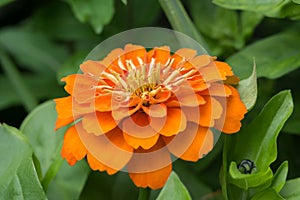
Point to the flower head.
(133, 109)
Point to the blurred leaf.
(230, 32)
(296, 1)
(174, 189)
(124, 1)
(66, 181)
(32, 50)
(267, 194)
(59, 25)
(18, 85)
(71, 66)
(118, 191)
(47, 88)
(275, 8)
(96, 12)
(69, 181)
(18, 178)
(3, 2)
(193, 183)
(180, 20)
(291, 189)
(248, 89)
(274, 63)
(280, 177)
(38, 126)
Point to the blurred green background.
(42, 41)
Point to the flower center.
(147, 79)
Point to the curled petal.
(181, 54)
(102, 103)
(198, 62)
(110, 149)
(230, 121)
(188, 144)
(97, 165)
(145, 143)
(98, 123)
(64, 107)
(73, 150)
(174, 122)
(112, 57)
(78, 83)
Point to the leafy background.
(42, 41)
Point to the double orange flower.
(133, 109)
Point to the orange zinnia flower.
(133, 109)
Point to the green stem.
(180, 20)
(144, 193)
(17, 82)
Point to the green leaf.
(46, 143)
(291, 189)
(275, 8)
(32, 50)
(47, 88)
(18, 178)
(174, 189)
(69, 181)
(270, 64)
(38, 126)
(267, 194)
(124, 1)
(96, 12)
(227, 34)
(296, 1)
(260, 147)
(180, 20)
(280, 177)
(248, 89)
(3, 2)
(61, 24)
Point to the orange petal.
(185, 53)
(191, 100)
(98, 123)
(188, 144)
(230, 121)
(210, 111)
(161, 96)
(96, 165)
(63, 122)
(174, 123)
(155, 110)
(102, 103)
(161, 54)
(73, 150)
(154, 179)
(77, 83)
(217, 89)
(145, 143)
(150, 168)
(134, 51)
(198, 62)
(112, 56)
(224, 68)
(91, 67)
(110, 149)
(138, 125)
(64, 107)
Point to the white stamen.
(110, 77)
(151, 66)
(171, 77)
(141, 62)
(121, 65)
